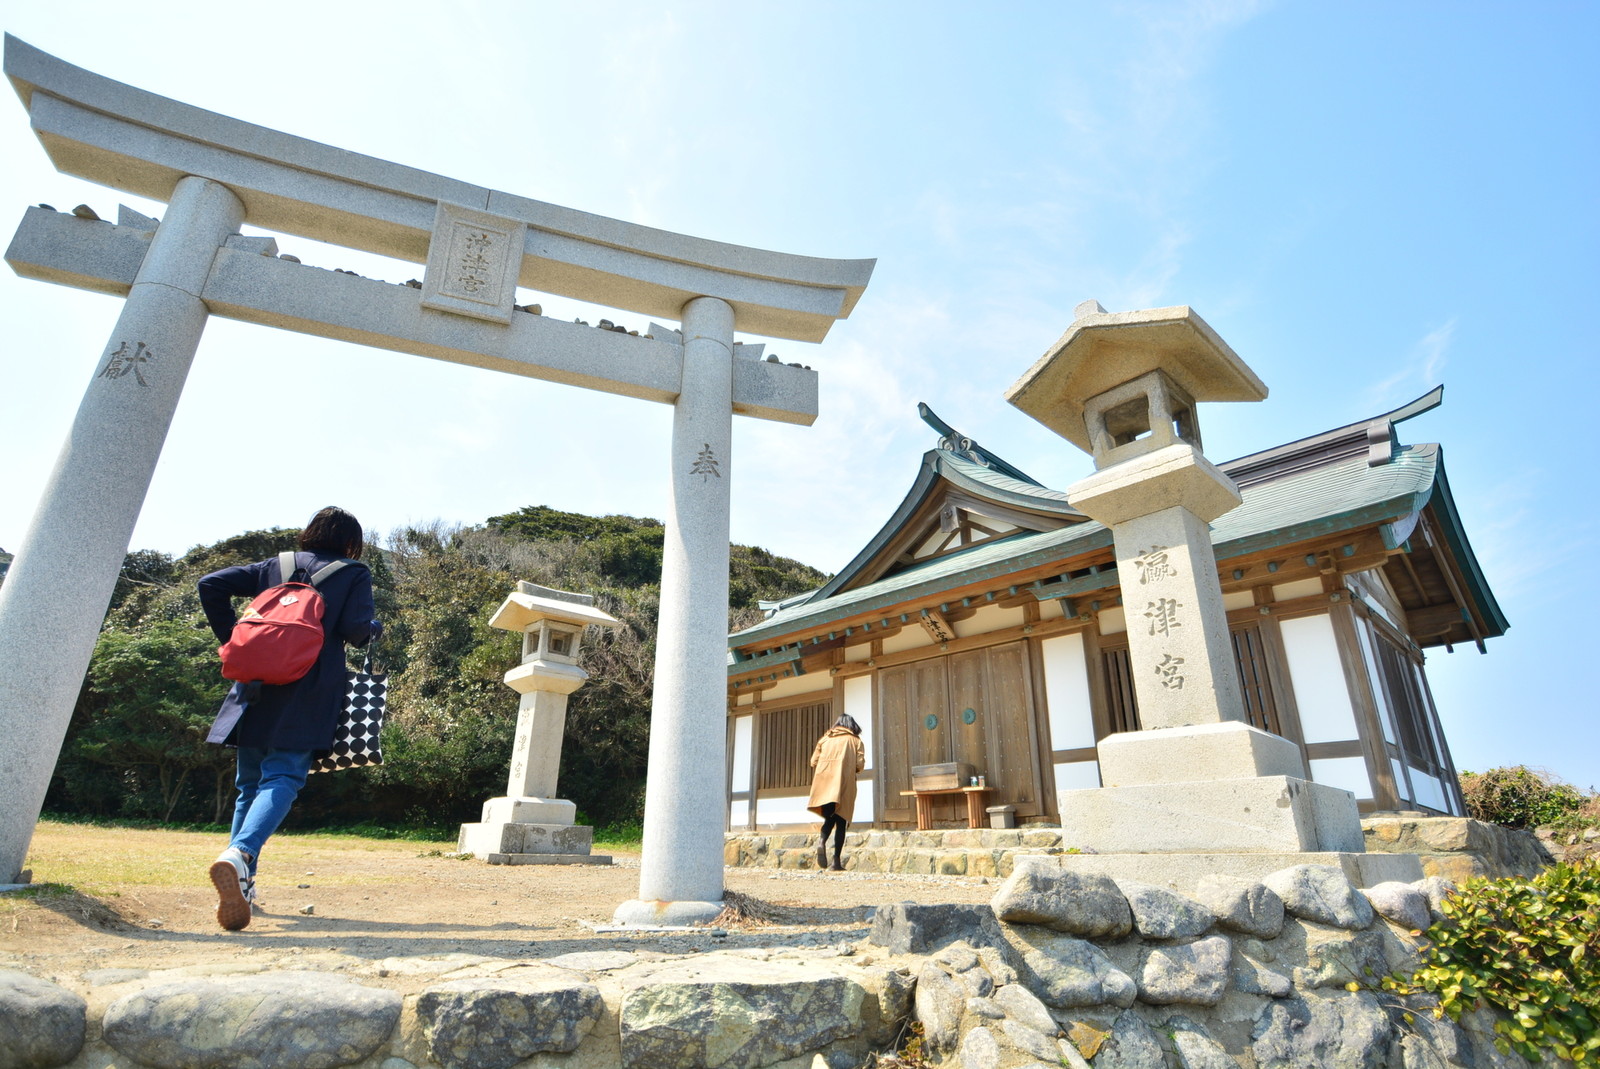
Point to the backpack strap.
(287, 568)
(327, 570)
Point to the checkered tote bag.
(355, 740)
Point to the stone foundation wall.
(1455, 848)
(1458, 848)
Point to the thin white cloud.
(1420, 369)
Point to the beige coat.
(838, 757)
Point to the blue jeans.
(268, 781)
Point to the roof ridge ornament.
(953, 441)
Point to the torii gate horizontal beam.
(129, 139)
(247, 283)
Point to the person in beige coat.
(837, 758)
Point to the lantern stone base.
(513, 833)
(1225, 751)
(1264, 814)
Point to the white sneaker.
(230, 875)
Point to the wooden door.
(1010, 734)
(914, 729)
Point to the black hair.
(848, 722)
(333, 530)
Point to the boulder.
(1344, 1029)
(1253, 978)
(1193, 973)
(1071, 972)
(1024, 1006)
(1335, 957)
(41, 1024)
(1435, 889)
(493, 1023)
(1401, 903)
(1323, 894)
(1082, 905)
(282, 1020)
(979, 1050)
(912, 928)
(1162, 914)
(1132, 1045)
(1196, 1048)
(1242, 905)
(939, 1000)
(719, 1010)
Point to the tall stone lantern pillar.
(530, 825)
(1197, 776)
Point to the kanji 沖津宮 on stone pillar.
(530, 825)
(1196, 776)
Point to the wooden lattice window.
(785, 739)
(1122, 704)
(1254, 683)
(1408, 706)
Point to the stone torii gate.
(216, 173)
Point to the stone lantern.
(1197, 776)
(531, 825)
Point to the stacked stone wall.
(1057, 969)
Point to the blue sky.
(1364, 199)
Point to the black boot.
(838, 862)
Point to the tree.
(147, 704)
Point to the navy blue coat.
(301, 715)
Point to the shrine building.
(985, 625)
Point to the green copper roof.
(1340, 496)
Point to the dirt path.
(141, 900)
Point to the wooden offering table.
(975, 807)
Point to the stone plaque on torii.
(216, 174)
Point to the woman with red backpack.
(278, 728)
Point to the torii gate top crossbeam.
(135, 141)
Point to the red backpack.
(278, 638)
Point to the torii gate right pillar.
(680, 877)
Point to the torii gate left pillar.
(479, 245)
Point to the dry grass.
(161, 858)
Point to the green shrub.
(1530, 948)
(1519, 797)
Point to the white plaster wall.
(1066, 688)
(1239, 599)
(1430, 792)
(864, 792)
(1112, 621)
(1301, 588)
(787, 809)
(1051, 609)
(1326, 714)
(1077, 776)
(989, 618)
(742, 733)
(1346, 773)
(911, 637)
(858, 703)
(738, 815)
(788, 688)
(863, 652)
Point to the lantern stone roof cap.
(1102, 350)
(522, 610)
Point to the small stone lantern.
(530, 825)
